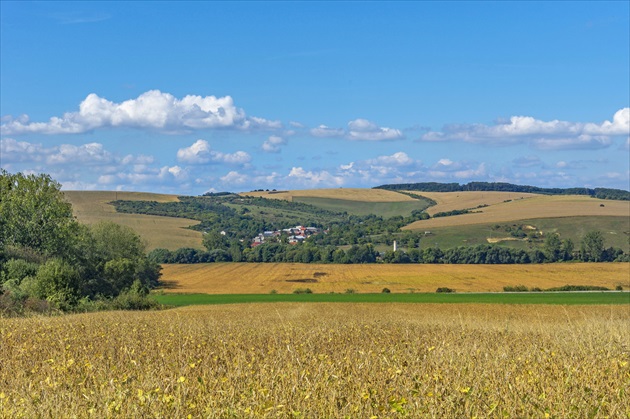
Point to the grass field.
(384, 209)
(565, 298)
(537, 206)
(449, 201)
(615, 230)
(348, 194)
(166, 232)
(262, 278)
(320, 361)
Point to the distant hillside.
(91, 207)
(601, 193)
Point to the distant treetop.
(602, 193)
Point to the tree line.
(601, 193)
(219, 249)
(48, 259)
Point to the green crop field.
(568, 298)
(616, 232)
(383, 209)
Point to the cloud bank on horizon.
(277, 111)
(162, 112)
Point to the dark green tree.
(592, 247)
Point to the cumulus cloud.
(200, 152)
(314, 178)
(323, 131)
(358, 129)
(90, 153)
(362, 129)
(151, 110)
(540, 134)
(397, 159)
(273, 144)
(234, 178)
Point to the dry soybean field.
(320, 361)
(262, 278)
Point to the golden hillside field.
(349, 194)
(261, 278)
(449, 201)
(312, 360)
(530, 207)
(166, 232)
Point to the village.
(294, 235)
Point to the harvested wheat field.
(320, 361)
(449, 201)
(159, 232)
(527, 208)
(349, 194)
(262, 278)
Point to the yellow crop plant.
(320, 361)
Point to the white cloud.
(323, 131)
(314, 178)
(273, 143)
(234, 178)
(151, 110)
(18, 151)
(358, 129)
(540, 134)
(200, 152)
(93, 153)
(584, 141)
(362, 129)
(397, 159)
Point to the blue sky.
(212, 96)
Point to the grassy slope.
(537, 206)
(383, 209)
(262, 278)
(167, 232)
(616, 232)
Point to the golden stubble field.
(262, 278)
(526, 208)
(320, 361)
(350, 194)
(159, 232)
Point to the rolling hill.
(488, 215)
(159, 232)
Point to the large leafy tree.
(35, 214)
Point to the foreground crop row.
(320, 360)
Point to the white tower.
(395, 247)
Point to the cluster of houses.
(295, 235)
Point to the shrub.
(350, 291)
(273, 292)
(579, 288)
(619, 288)
(444, 290)
(517, 288)
(386, 291)
(302, 291)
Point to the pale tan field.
(320, 361)
(449, 201)
(532, 207)
(261, 278)
(159, 232)
(350, 194)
